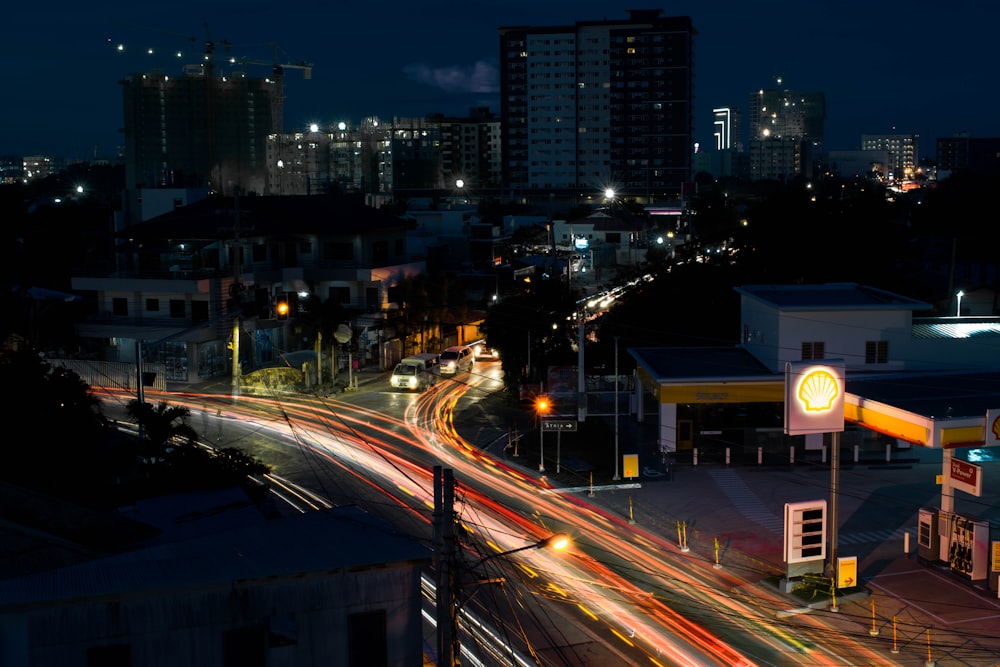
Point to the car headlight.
(412, 382)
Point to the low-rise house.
(186, 278)
(332, 587)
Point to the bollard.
(791, 455)
(694, 456)
(760, 455)
(874, 631)
(631, 516)
(906, 543)
(888, 453)
(727, 455)
(717, 564)
(823, 455)
(855, 453)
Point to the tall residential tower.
(598, 104)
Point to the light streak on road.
(602, 577)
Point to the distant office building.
(902, 149)
(786, 131)
(598, 104)
(728, 158)
(778, 158)
(866, 163)
(470, 149)
(207, 128)
(11, 169)
(36, 167)
(379, 158)
(727, 124)
(319, 159)
(963, 152)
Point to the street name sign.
(558, 424)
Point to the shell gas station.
(817, 407)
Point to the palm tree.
(162, 427)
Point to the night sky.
(910, 68)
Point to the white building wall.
(843, 334)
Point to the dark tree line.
(67, 447)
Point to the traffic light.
(805, 531)
(281, 307)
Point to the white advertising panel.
(814, 397)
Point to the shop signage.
(966, 476)
(992, 435)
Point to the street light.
(556, 541)
(958, 310)
(448, 640)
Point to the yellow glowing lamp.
(282, 309)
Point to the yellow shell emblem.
(818, 390)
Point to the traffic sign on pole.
(558, 424)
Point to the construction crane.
(278, 73)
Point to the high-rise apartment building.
(727, 126)
(902, 148)
(598, 104)
(470, 149)
(786, 130)
(378, 158)
(203, 129)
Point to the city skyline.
(881, 71)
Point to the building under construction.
(204, 128)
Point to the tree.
(63, 429)
(170, 460)
(163, 428)
(530, 332)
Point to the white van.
(415, 373)
(457, 359)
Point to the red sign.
(966, 477)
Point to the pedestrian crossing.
(751, 507)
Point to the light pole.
(616, 476)
(542, 407)
(445, 564)
(958, 309)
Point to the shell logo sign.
(992, 438)
(817, 390)
(814, 397)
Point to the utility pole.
(237, 297)
(616, 476)
(444, 567)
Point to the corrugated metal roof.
(955, 327)
(830, 296)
